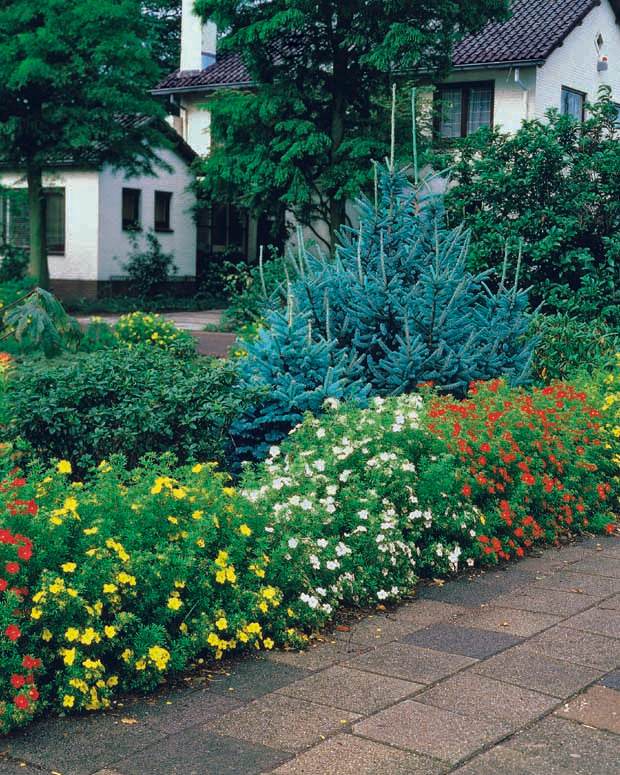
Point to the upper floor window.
(131, 208)
(163, 201)
(573, 103)
(464, 108)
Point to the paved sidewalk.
(513, 673)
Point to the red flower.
(528, 479)
(466, 490)
(3, 584)
(12, 568)
(12, 632)
(17, 681)
(31, 663)
(33, 693)
(610, 528)
(21, 701)
(24, 552)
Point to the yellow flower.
(174, 603)
(213, 639)
(200, 542)
(110, 631)
(92, 664)
(221, 623)
(64, 467)
(68, 656)
(245, 530)
(197, 514)
(141, 664)
(220, 577)
(89, 636)
(179, 584)
(197, 468)
(160, 656)
(242, 636)
(113, 681)
(36, 613)
(257, 570)
(221, 559)
(68, 701)
(268, 643)
(68, 567)
(263, 606)
(183, 628)
(179, 493)
(110, 589)
(173, 520)
(253, 627)
(72, 633)
(230, 574)
(126, 655)
(46, 635)
(70, 503)
(125, 578)
(269, 592)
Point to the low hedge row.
(134, 573)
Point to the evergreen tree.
(395, 308)
(302, 138)
(71, 73)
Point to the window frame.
(59, 249)
(582, 94)
(162, 227)
(465, 87)
(134, 225)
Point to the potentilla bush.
(19, 695)
(132, 401)
(148, 328)
(610, 384)
(136, 573)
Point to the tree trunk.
(37, 267)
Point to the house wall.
(574, 63)
(115, 244)
(512, 103)
(197, 123)
(81, 221)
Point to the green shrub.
(249, 290)
(131, 401)
(12, 290)
(148, 267)
(568, 345)
(151, 329)
(13, 263)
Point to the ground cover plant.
(395, 308)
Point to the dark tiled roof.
(228, 70)
(534, 29)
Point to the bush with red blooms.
(532, 462)
(19, 695)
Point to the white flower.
(382, 594)
(470, 561)
(321, 591)
(342, 549)
(327, 608)
(278, 484)
(453, 557)
(320, 433)
(331, 403)
(321, 543)
(319, 465)
(363, 514)
(330, 508)
(332, 564)
(312, 601)
(274, 451)
(292, 543)
(332, 489)
(306, 505)
(439, 550)
(314, 561)
(268, 530)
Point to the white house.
(92, 215)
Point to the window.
(573, 103)
(131, 209)
(229, 227)
(464, 108)
(14, 223)
(55, 220)
(162, 210)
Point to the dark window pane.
(162, 210)
(572, 103)
(479, 109)
(131, 208)
(55, 220)
(219, 226)
(451, 111)
(17, 223)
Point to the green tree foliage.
(302, 138)
(71, 72)
(397, 307)
(554, 188)
(164, 17)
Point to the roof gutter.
(499, 65)
(200, 88)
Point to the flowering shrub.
(611, 411)
(152, 329)
(19, 695)
(138, 572)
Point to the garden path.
(512, 672)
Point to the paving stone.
(172, 712)
(352, 755)
(580, 583)
(285, 723)
(598, 707)
(410, 663)
(61, 743)
(15, 767)
(559, 742)
(546, 564)
(511, 620)
(349, 689)
(608, 545)
(599, 620)
(611, 602)
(507, 579)
(599, 566)
(538, 672)
(477, 695)
(504, 761)
(374, 630)
(195, 752)
(462, 592)
(582, 648)
(431, 731)
(612, 680)
(468, 641)
(252, 678)
(421, 613)
(319, 655)
(538, 600)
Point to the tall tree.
(303, 137)
(165, 32)
(74, 84)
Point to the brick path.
(514, 673)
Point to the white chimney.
(198, 40)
